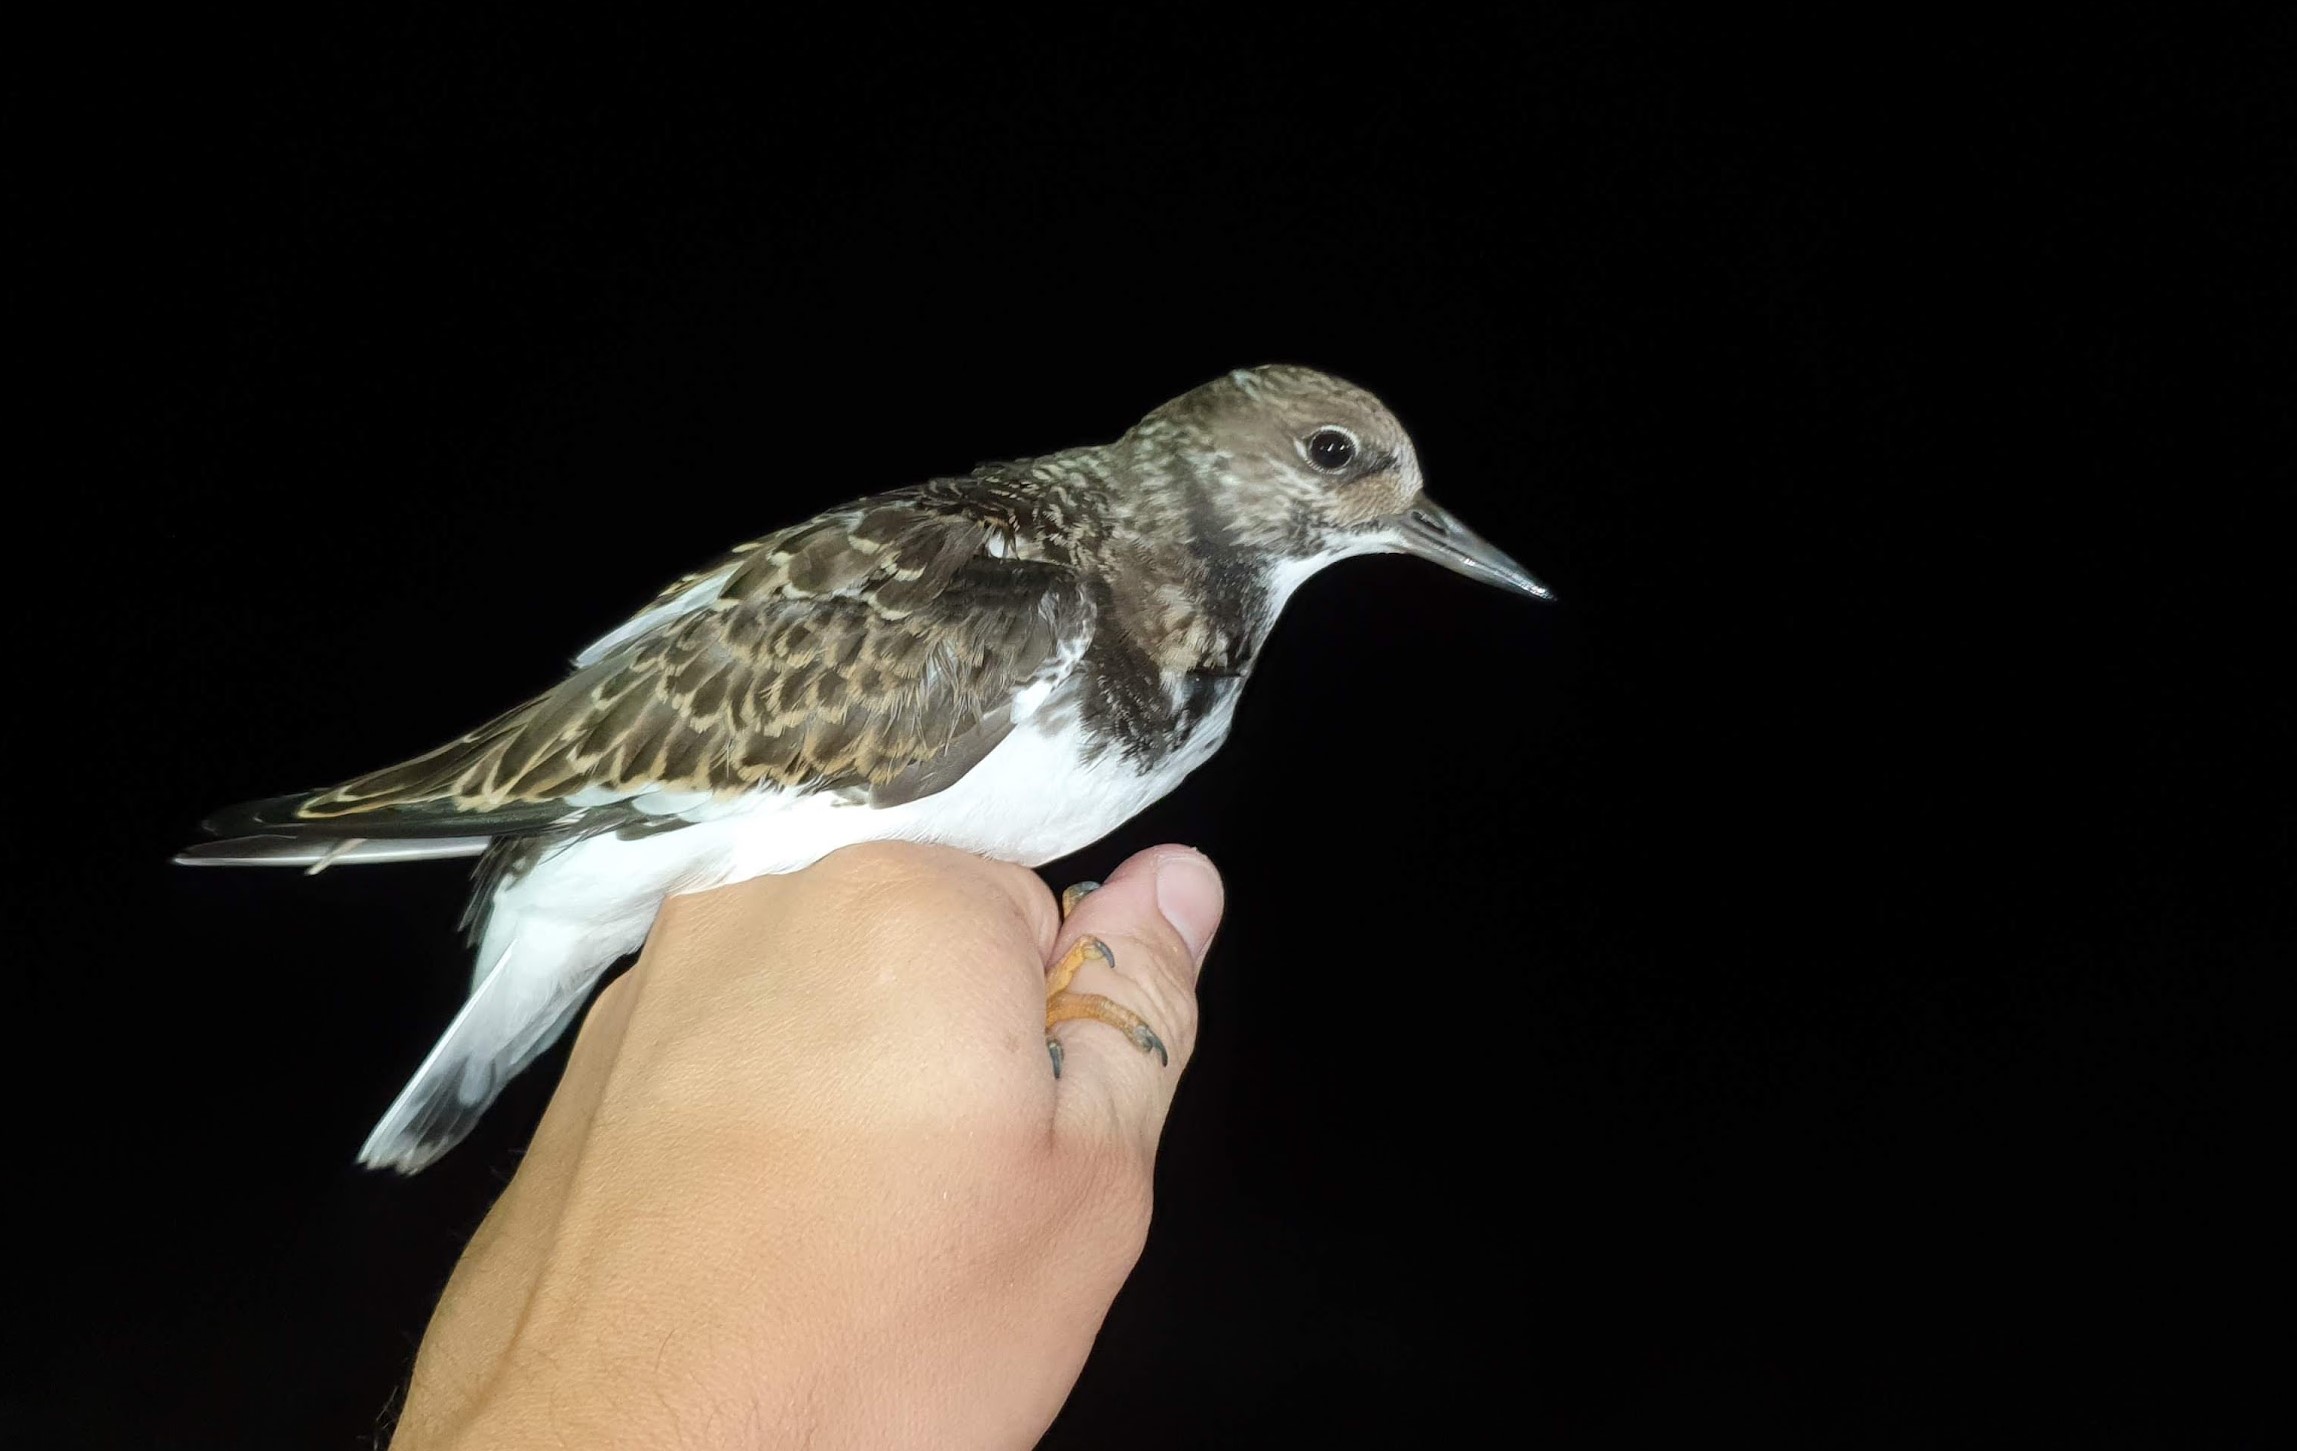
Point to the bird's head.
(1310, 469)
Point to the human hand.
(809, 1178)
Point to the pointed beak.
(1428, 530)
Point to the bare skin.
(809, 1178)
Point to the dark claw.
(1074, 893)
(1145, 1039)
(1053, 1051)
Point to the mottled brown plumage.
(843, 653)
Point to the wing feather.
(879, 650)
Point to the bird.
(1012, 662)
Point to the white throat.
(1287, 575)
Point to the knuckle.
(872, 867)
(907, 882)
(1024, 901)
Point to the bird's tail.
(317, 853)
(540, 972)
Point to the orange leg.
(1063, 1006)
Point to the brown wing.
(879, 649)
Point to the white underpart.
(1289, 574)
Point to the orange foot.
(1063, 1006)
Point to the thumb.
(1156, 916)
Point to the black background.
(1812, 981)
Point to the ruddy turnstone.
(1013, 663)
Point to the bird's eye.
(1330, 450)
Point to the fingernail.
(1188, 892)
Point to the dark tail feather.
(537, 976)
(270, 832)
